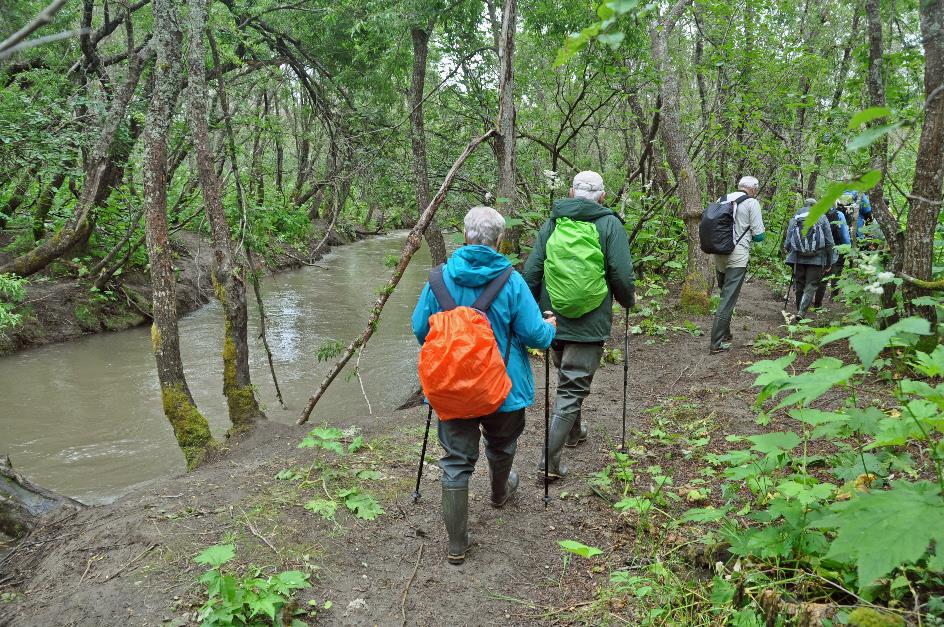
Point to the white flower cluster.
(553, 180)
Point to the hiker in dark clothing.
(840, 230)
(517, 323)
(810, 255)
(579, 263)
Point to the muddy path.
(131, 563)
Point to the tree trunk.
(889, 223)
(926, 195)
(434, 236)
(46, 199)
(190, 427)
(698, 277)
(22, 502)
(505, 139)
(229, 273)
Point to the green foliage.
(12, 293)
(330, 349)
(247, 599)
(572, 546)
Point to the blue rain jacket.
(514, 310)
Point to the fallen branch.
(123, 568)
(409, 248)
(406, 591)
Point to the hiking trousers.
(730, 282)
(576, 364)
(460, 441)
(808, 278)
(830, 280)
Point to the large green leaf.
(572, 546)
(862, 183)
(775, 442)
(870, 135)
(216, 555)
(867, 115)
(882, 530)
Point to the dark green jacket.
(594, 326)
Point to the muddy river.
(84, 418)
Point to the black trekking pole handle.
(625, 373)
(419, 471)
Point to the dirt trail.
(130, 563)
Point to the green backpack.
(574, 269)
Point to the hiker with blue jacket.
(517, 323)
(731, 269)
(809, 254)
(579, 263)
(839, 228)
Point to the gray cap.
(809, 202)
(588, 181)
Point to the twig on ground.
(256, 533)
(406, 591)
(120, 570)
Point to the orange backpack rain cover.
(460, 366)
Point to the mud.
(130, 563)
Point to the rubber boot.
(560, 429)
(578, 434)
(455, 509)
(504, 481)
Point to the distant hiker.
(731, 268)
(579, 263)
(474, 273)
(858, 209)
(840, 230)
(809, 254)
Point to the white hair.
(588, 185)
(748, 182)
(483, 226)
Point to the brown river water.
(84, 418)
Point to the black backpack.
(833, 216)
(716, 230)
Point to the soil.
(131, 562)
(59, 306)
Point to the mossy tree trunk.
(698, 277)
(926, 192)
(190, 427)
(229, 272)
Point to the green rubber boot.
(455, 509)
(504, 481)
(578, 434)
(560, 430)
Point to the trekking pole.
(547, 421)
(625, 373)
(419, 471)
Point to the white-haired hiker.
(731, 269)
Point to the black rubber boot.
(455, 509)
(560, 429)
(504, 482)
(578, 434)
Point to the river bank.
(60, 307)
(132, 562)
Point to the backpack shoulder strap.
(438, 285)
(491, 291)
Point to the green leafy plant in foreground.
(246, 600)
